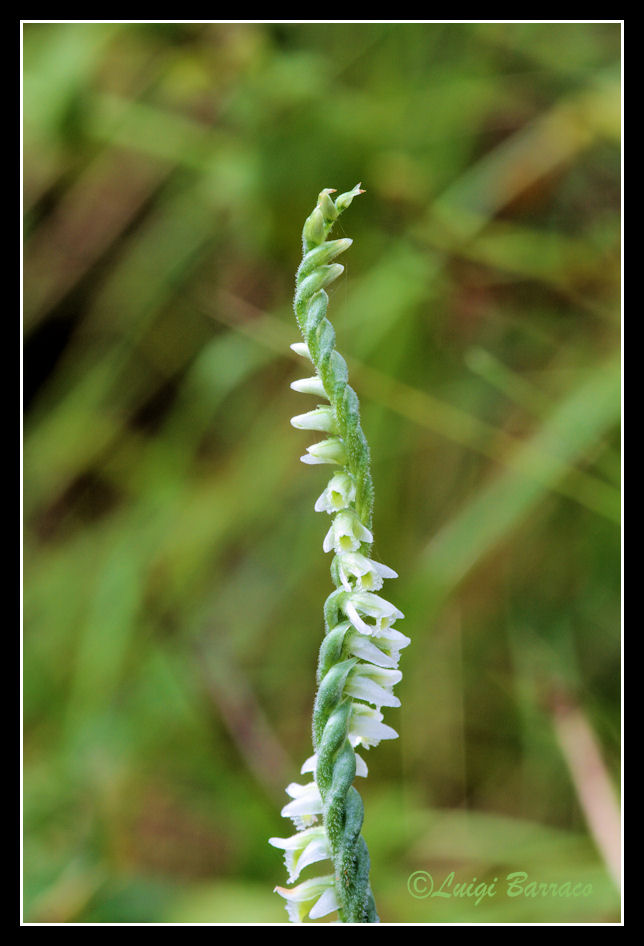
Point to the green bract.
(358, 661)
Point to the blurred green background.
(173, 569)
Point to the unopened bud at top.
(327, 206)
(344, 200)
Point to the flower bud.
(309, 386)
(301, 348)
(326, 205)
(326, 451)
(344, 200)
(314, 230)
(322, 418)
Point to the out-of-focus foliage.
(173, 569)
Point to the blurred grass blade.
(581, 418)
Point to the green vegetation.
(172, 557)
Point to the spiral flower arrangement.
(359, 656)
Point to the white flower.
(346, 533)
(339, 494)
(373, 684)
(306, 804)
(367, 574)
(311, 764)
(373, 606)
(304, 848)
(301, 348)
(386, 654)
(309, 386)
(366, 727)
(299, 899)
(322, 418)
(326, 451)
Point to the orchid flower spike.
(360, 652)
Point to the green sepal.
(330, 693)
(323, 339)
(336, 764)
(333, 613)
(315, 313)
(321, 255)
(342, 770)
(317, 280)
(335, 571)
(331, 650)
(340, 371)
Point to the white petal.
(309, 765)
(302, 806)
(384, 570)
(361, 647)
(295, 790)
(322, 418)
(301, 348)
(375, 606)
(307, 890)
(326, 451)
(393, 636)
(309, 386)
(345, 581)
(356, 620)
(306, 803)
(327, 903)
(296, 841)
(384, 678)
(366, 728)
(365, 689)
(304, 893)
(363, 533)
(361, 766)
(293, 910)
(320, 503)
(318, 850)
(372, 734)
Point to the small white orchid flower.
(339, 494)
(306, 804)
(309, 386)
(360, 604)
(387, 651)
(366, 574)
(304, 848)
(314, 898)
(366, 727)
(373, 684)
(301, 348)
(346, 533)
(326, 451)
(322, 418)
(311, 764)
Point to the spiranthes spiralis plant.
(357, 667)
